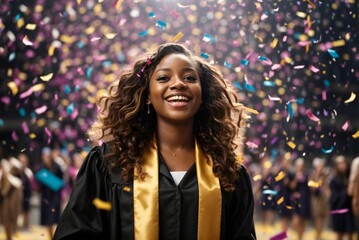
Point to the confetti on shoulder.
(99, 204)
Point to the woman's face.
(175, 89)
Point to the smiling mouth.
(178, 98)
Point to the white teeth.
(178, 98)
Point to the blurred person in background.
(353, 190)
(50, 200)
(284, 203)
(10, 195)
(300, 198)
(26, 179)
(340, 202)
(319, 195)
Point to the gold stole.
(146, 198)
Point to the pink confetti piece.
(324, 95)
(26, 93)
(312, 116)
(299, 67)
(41, 109)
(26, 41)
(25, 128)
(174, 14)
(49, 135)
(251, 144)
(339, 211)
(279, 236)
(345, 126)
(14, 136)
(313, 69)
(94, 39)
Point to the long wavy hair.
(124, 120)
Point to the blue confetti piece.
(22, 112)
(269, 192)
(2, 123)
(161, 24)
(208, 38)
(204, 55)
(67, 89)
(143, 33)
(299, 100)
(70, 109)
(106, 63)
(269, 83)
(290, 110)
(17, 17)
(326, 151)
(238, 85)
(89, 71)
(262, 58)
(80, 44)
(333, 53)
(152, 14)
(12, 56)
(249, 87)
(326, 83)
(244, 62)
(227, 64)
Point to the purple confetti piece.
(25, 128)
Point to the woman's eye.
(162, 78)
(190, 78)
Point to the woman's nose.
(177, 83)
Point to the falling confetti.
(102, 205)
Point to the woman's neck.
(175, 137)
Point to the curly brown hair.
(124, 118)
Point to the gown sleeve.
(81, 219)
(240, 217)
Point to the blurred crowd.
(51, 179)
(295, 193)
(322, 192)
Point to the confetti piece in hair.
(291, 144)
(280, 200)
(279, 236)
(99, 204)
(339, 211)
(30, 26)
(356, 135)
(333, 53)
(312, 116)
(330, 150)
(143, 33)
(208, 38)
(46, 77)
(13, 87)
(41, 110)
(177, 37)
(345, 126)
(351, 98)
(280, 176)
(26, 41)
(161, 24)
(204, 55)
(251, 144)
(269, 192)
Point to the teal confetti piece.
(161, 24)
(327, 151)
(2, 123)
(290, 109)
(333, 53)
(299, 100)
(106, 63)
(22, 112)
(67, 89)
(227, 64)
(70, 109)
(208, 38)
(268, 83)
(249, 87)
(269, 192)
(326, 83)
(244, 62)
(12, 56)
(262, 58)
(80, 44)
(204, 55)
(152, 14)
(238, 85)
(143, 33)
(89, 71)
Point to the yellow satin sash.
(146, 198)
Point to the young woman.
(167, 166)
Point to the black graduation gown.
(178, 206)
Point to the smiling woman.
(168, 165)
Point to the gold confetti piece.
(338, 43)
(99, 204)
(177, 37)
(280, 200)
(126, 189)
(309, 22)
(291, 144)
(301, 14)
(20, 23)
(32, 135)
(351, 98)
(280, 176)
(313, 184)
(257, 177)
(110, 35)
(46, 77)
(356, 135)
(38, 87)
(67, 39)
(251, 110)
(274, 43)
(13, 87)
(30, 26)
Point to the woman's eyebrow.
(185, 69)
